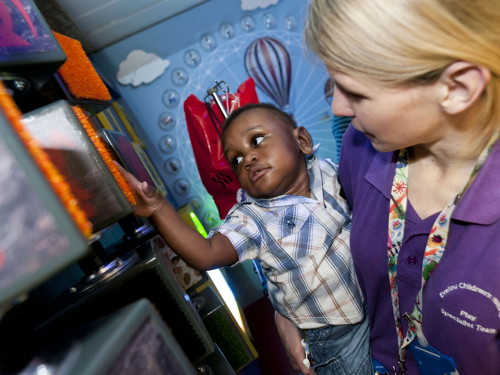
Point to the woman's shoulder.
(354, 141)
(357, 150)
(360, 162)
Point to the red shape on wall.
(204, 122)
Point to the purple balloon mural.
(267, 61)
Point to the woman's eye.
(351, 96)
(257, 140)
(356, 98)
(237, 160)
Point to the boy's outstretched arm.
(185, 241)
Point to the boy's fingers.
(126, 174)
(149, 191)
(120, 168)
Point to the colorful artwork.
(22, 29)
(263, 44)
(268, 62)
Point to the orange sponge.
(78, 73)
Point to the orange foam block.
(78, 73)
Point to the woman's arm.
(291, 339)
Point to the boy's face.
(267, 154)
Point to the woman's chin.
(381, 146)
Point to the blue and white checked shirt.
(303, 246)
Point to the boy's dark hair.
(278, 113)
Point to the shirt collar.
(480, 203)
(315, 178)
(381, 172)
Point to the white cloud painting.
(254, 4)
(141, 68)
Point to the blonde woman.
(420, 166)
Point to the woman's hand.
(291, 339)
(149, 199)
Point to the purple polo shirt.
(461, 304)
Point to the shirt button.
(412, 259)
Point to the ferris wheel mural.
(283, 76)
(262, 46)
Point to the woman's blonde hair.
(408, 41)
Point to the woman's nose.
(340, 105)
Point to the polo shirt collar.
(381, 172)
(480, 204)
(481, 201)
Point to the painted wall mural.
(264, 43)
(254, 4)
(268, 62)
(140, 68)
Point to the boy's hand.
(291, 339)
(149, 199)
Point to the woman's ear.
(464, 83)
(305, 140)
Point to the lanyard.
(434, 250)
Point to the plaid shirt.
(303, 246)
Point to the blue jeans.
(341, 350)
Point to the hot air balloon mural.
(268, 62)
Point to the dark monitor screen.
(37, 236)
(63, 137)
(131, 340)
(28, 48)
(122, 146)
